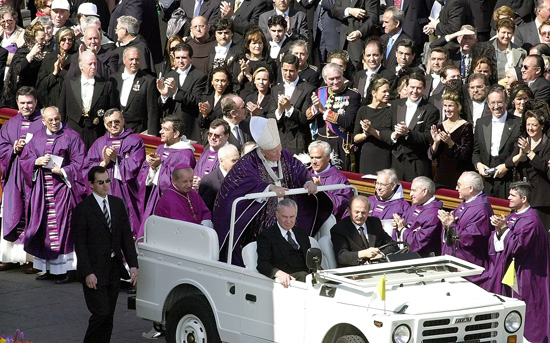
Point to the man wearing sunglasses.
(122, 154)
(103, 240)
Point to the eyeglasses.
(101, 182)
(381, 184)
(66, 39)
(113, 122)
(7, 21)
(215, 135)
(545, 33)
(198, 26)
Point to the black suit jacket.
(141, 111)
(453, 15)
(107, 64)
(265, 104)
(248, 13)
(346, 240)
(185, 105)
(146, 58)
(294, 130)
(391, 60)
(416, 17)
(273, 251)
(527, 35)
(209, 187)
(244, 126)
(231, 57)
(145, 11)
(415, 145)
(94, 241)
(70, 103)
(482, 140)
(541, 89)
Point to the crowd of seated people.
(380, 95)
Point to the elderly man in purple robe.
(324, 173)
(388, 199)
(470, 222)
(268, 167)
(521, 239)
(180, 201)
(419, 225)
(211, 182)
(218, 134)
(52, 168)
(158, 166)
(14, 135)
(122, 153)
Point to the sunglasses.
(215, 135)
(101, 182)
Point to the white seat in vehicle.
(179, 236)
(325, 228)
(250, 253)
(329, 259)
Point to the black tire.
(350, 339)
(191, 320)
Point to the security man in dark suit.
(103, 241)
(282, 248)
(355, 239)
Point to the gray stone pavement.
(50, 313)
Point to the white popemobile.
(195, 298)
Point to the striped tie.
(106, 213)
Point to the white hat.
(60, 5)
(87, 8)
(265, 132)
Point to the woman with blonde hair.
(259, 102)
(453, 143)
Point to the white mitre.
(264, 132)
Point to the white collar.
(499, 120)
(293, 83)
(524, 210)
(184, 72)
(49, 133)
(284, 14)
(327, 168)
(409, 103)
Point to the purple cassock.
(249, 175)
(386, 209)
(178, 153)
(13, 187)
(473, 226)
(123, 173)
(422, 228)
(526, 242)
(340, 198)
(188, 207)
(52, 197)
(207, 162)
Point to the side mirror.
(314, 257)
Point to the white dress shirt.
(497, 127)
(127, 83)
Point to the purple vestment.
(178, 153)
(188, 207)
(249, 175)
(207, 162)
(386, 209)
(422, 228)
(13, 186)
(527, 243)
(51, 200)
(473, 226)
(340, 198)
(130, 160)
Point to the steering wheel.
(403, 250)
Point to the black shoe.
(8, 266)
(45, 276)
(69, 278)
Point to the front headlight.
(512, 323)
(401, 334)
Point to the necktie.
(363, 237)
(398, 3)
(463, 67)
(106, 213)
(198, 4)
(238, 135)
(390, 45)
(291, 241)
(237, 5)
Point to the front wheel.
(191, 320)
(350, 339)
